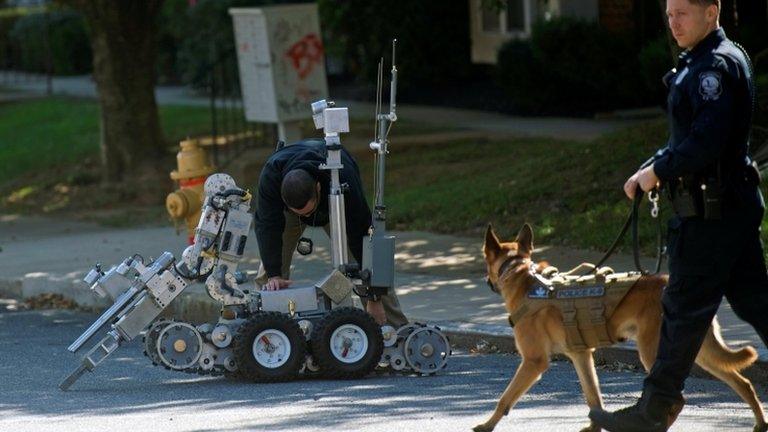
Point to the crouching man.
(292, 195)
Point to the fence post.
(47, 48)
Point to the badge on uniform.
(709, 85)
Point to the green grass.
(37, 134)
(49, 159)
(42, 133)
(571, 192)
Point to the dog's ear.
(491, 247)
(525, 240)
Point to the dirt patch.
(50, 301)
(76, 191)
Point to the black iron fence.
(231, 134)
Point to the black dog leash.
(632, 221)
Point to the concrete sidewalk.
(578, 129)
(439, 278)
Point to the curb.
(495, 338)
(195, 306)
(11, 288)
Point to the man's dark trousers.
(708, 259)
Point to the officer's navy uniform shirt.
(710, 111)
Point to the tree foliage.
(433, 38)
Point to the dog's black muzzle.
(503, 269)
(491, 285)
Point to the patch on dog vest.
(592, 291)
(710, 87)
(540, 292)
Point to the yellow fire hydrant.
(186, 202)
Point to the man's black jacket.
(270, 218)
(710, 113)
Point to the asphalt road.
(128, 394)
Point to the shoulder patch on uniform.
(710, 87)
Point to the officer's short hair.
(297, 188)
(706, 2)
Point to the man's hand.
(645, 178)
(276, 283)
(376, 309)
(630, 186)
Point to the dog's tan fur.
(637, 317)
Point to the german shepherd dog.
(638, 316)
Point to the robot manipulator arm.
(220, 240)
(224, 212)
(140, 294)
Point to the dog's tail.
(715, 351)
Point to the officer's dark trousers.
(707, 260)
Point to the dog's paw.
(591, 428)
(482, 428)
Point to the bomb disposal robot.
(265, 336)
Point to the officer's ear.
(713, 13)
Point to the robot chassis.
(265, 336)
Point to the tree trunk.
(123, 39)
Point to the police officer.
(713, 240)
(293, 194)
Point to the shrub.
(206, 37)
(761, 117)
(433, 39)
(571, 66)
(517, 68)
(7, 48)
(172, 28)
(68, 41)
(655, 61)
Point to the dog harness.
(586, 302)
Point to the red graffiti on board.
(306, 54)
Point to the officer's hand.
(631, 185)
(647, 179)
(276, 283)
(376, 309)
